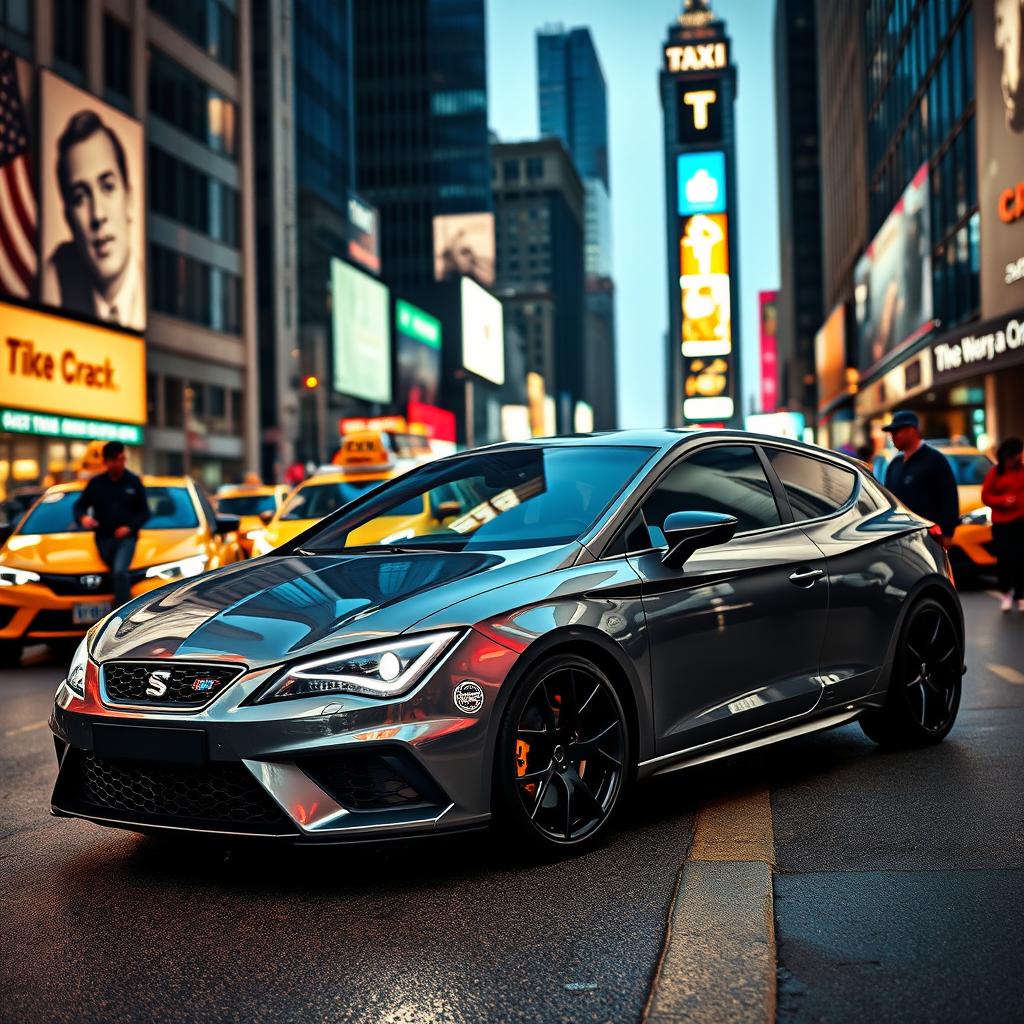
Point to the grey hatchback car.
(516, 634)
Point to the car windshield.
(314, 501)
(969, 470)
(246, 504)
(170, 508)
(516, 498)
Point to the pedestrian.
(921, 477)
(1003, 492)
(113, 505)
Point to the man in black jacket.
(921, 477)
(114, 505)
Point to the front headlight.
(383, 670)
(191, 566)
(75, 680)
(977, 517)
(16, 577)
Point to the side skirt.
(686, 759)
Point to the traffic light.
(311, 382)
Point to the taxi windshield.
(969, 469)
(314, 501)
(170, 508)
(520, 497)
(247, 504)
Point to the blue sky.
(628, 36)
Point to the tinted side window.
(815, 488)
(725, 479)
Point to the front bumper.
(317, 769)
(34, 611)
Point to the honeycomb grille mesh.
(186, 685)
(365, 783)
(223, 794)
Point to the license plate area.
(87, 614)
(142, 743)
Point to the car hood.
(76, 552)
(276, 607)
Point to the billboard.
(92, 215)
(704, 285)
(768, 308)
(700, 111)
(830, 358)
(363, 233)
(893, 279)
(999, 77)
(361, 334)
(464, 245)
(701, 183)
(483, 333)
(73, 371)
(418, 354)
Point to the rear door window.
(815, 488)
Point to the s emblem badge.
(468, 697)
(157, 682)
(90, 581)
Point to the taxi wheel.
(10, 653)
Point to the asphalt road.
(898, 889)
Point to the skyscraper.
(800, 310)
(573, 106)
(698, 90)
(421, 122)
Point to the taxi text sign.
(53, 365)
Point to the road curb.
(718, 961)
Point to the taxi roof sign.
(364, 449)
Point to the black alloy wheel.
(924, 693)
(564, 750)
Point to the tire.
(10, 653)
(925, 687)
(564, 759)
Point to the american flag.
(18, 219)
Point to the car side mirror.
(266, 515)
(226, 524)
(688, 531)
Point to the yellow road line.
(735, 828)
(1006, 673)
(26, 728)
(718, 961)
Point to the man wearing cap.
(921, 477)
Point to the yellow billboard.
(53, 365)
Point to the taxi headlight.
(191, 566)
(382, 670)
(75, 680)
(977, 517)
(16, 577)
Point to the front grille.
(187, 685)
(371, 782)
(217, 795)
(54, 620)
(73, 586)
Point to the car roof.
(251, 490)
(148, 481)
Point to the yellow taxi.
(363, 461)
(254, 504)
(53, 583)
(971, 551)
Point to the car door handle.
(805, 577)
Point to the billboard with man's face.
(893, 279)
(92, 216)
(464, 245)
(999, 63)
